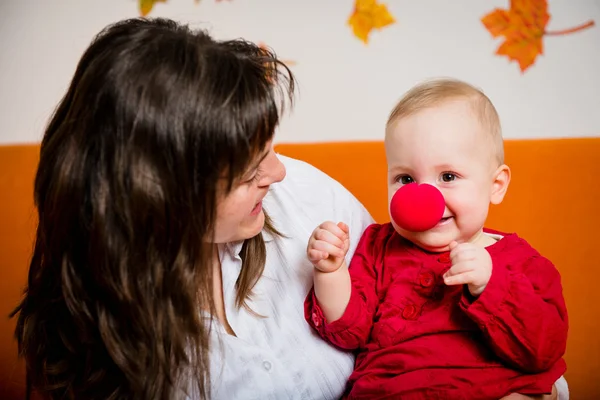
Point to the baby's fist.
(471, 265)
(328, 245)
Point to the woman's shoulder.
(309, 192)
(301, 172)
(305, 183)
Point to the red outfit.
(420, 339)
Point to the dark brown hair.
(126, 193)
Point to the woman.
(153, 174)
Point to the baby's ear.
(501, 179)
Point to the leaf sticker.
(523, 26)
(147, 5)
(369, 15)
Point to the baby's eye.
(448, 177)
(405, 179)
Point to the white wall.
(346, 88)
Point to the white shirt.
(279, 356)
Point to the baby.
(458, 311)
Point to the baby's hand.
(471, 265)
(328, 246)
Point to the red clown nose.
(417, 208)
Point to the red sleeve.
(352, 330)
(522, 313)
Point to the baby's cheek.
(475, 210)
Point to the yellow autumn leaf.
(369, 15)
(147, 5)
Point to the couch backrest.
(552, 201)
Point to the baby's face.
(445, 146)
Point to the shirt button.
(444, 258)
(426, 279)
(267, 365)
(316, 320)
(409, 312)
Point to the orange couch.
(552, 202)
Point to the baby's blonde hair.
(437, 91)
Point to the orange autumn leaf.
(523, 26)
(147, 5)
(369, 15)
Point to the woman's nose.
(274, 170)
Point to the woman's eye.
(405, 179)
(448, 177)
(250, 180)
(255, 177)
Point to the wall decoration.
(369, 15)
(523, 26)
(147, 5)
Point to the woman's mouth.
(257, 208)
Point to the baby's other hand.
(471, 265)
(328, 245)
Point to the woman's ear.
(501, 179)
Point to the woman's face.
(239, 213)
